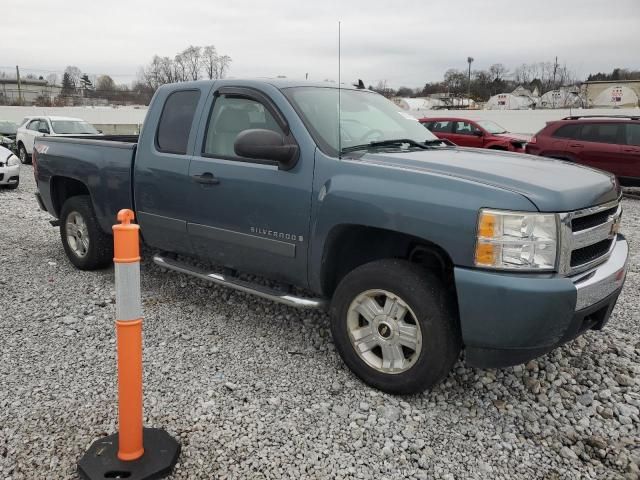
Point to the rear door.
(250, 215)
(441, 128)
(162, 187)
(466, 134)
(600, 146)
(630, 165)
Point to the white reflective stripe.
(128, 305)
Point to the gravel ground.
(256, 390)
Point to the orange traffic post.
(134, 452)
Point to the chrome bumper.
(603, 280)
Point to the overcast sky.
(403, 42)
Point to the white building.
(561, 98)
(30, 89)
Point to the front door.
(249, 214)
(466, 134)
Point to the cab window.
(176, 120)
(231, 115)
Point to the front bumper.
(507, 319)
(9, 175)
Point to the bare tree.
(52, 79)
(193, 61)
(180, 68)
(74, 75)
(210, 60)
(224, 63)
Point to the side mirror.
(266, 145)
(43, 130)
(478, 133)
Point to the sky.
(404, 42)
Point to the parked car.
(34, 127)
(609, 143)
(9, 169)
(475, 133)
(8, 134)
(417, 248)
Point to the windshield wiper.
(384, 143)
(440, 141)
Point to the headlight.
(12, 160)
(513, 240)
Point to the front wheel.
(25, 158)
(394, 325)
(84, 242)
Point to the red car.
(609, 143)
(475, 133)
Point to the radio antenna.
(339, 106)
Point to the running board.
(236, 284)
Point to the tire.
(24, 157)
(430, 308)
(98, 249)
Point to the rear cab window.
(176, 120)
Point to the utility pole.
(555, 69)
(19, 87)
(469, 61)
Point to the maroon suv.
(609, 143)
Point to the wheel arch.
(63, 188)
(350, 245)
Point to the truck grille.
(587, 237)
(582, 223)
(588, 254)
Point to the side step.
(247, 287)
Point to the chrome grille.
(586, 237)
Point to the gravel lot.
(256, 390)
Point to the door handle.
(576, 145)
(206, 178)
(631, 150)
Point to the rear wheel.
(25, 158)
(395, 327)
(84, 242)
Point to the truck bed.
(102, 164)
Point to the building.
(562, 98)
(609, 93)
(30, 90)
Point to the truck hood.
(552, 185)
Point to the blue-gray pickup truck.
(417, 248)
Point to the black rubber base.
(161, 452)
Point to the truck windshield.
(366, 118)
(65, 127)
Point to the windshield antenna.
(339, 106)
